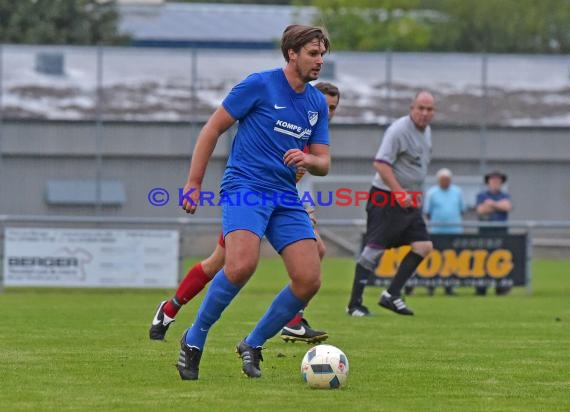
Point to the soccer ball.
(324, 367)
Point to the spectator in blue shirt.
(443, 204)
(494, 205)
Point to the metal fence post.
(98, 130)
(2, 227)
(389, 85)
(1, 103)
(2, 257)
(483, 122)
(529, 260)
(194, 78)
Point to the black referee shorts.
(390, 225)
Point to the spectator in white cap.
(444, 206)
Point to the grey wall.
(148, 155)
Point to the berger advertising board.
(465, 259)
(90, 257)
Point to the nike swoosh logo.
(165, 319)
(279, 107)
(156, 320)
(298, 332)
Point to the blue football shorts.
(277, 215)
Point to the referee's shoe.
(394, 303)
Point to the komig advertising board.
(464, 259)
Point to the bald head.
(423, 95)
(422, 109)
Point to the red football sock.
(194, 281)
(298, 317)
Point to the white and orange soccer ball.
(325, 367)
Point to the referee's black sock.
(361, 275)
(405, 271)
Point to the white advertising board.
(90, 257)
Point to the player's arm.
(387, 154)
(428, 205)
(316, 162)
(319, 159)
(387, 174)
(217, 124)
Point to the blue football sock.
(282, 309)
(218, 297)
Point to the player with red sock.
(200, 274)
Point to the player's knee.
(315, 284)
(322, 249)
(423, 248)
(369, 258)
(311, 288)
(212, 264)
(240, 271)
(306, 286)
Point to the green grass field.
(89, 350)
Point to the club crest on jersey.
(313, 117)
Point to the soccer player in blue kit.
(279, 113)
(199, 275)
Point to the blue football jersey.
(273, 118)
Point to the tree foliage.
(373, 24)
(59, 22)
(261, 2)
(514, 26)
(517, 26)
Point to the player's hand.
(312, 215)
(301, 171)
(417, 201)
(190, 207)
(407, 201)
(296, 157)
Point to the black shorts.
(389, 226)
